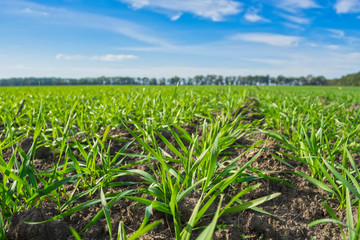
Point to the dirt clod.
(19, 229)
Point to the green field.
(167, 162)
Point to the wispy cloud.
(61, 56)
(332, 47)
(105, 58)
(139, 3)
(295, 19)
(311, 44)
(336, 33)
(301, 64)
(113, 58)
(278, 40)
(347, 6)
(270, 61)
(252, 15)
(299, 61)
(176, 17)
(62, 16)
(216, 10)
(294, 26)
(35, 12)
(24, 8)
(295, 5)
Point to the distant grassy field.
(187, 162)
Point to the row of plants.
(75, 125)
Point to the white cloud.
(251, 15)
(333, 64)
(332, 47)
(104, 58)
(61, 56)
(139, 3)
(268, 38)
(312, 44)
(301, 4)
(294, 26)
(270, 61)
(113, 58)
(347, 6)
(299, 61)
(35, 12)
(215, 10)
(295, 5)
(62, 16)
(176, 17)
(295, 19)
(23, 8)
(336, 33)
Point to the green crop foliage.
(184, 140)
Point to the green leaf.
(208, 232)
(343, 180)
(316, 182)
(121, 232)
(52, 187)
(75, 233)
(162, 207)
(109, 204)
(106, 211)
(144, 230)
(186, 233)
(251, 204)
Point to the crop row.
(161, 146)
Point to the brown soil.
(295, 208)
(355, 107)
(58, 229)
(250, 110)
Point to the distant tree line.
(348, 80)
(351, 79)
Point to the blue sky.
(164, 38)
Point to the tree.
(153, 81)
(174, 80)
(198, 79)
(162, 81)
